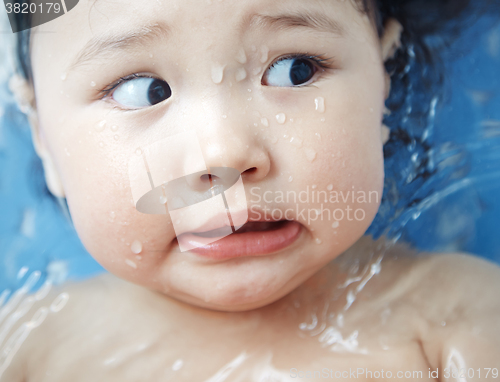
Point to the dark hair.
(416, 78)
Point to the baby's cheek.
(126, 242)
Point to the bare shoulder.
(88, 317)
(456, 296)
(464, 281)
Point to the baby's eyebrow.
(306, 19)
(100, 46)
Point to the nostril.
(208, 178)
(205, 177)
(250, 171)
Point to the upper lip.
(213, 223)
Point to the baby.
(217, 156)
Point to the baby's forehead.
(100, 14)
(111, 24)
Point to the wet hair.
(416, 81)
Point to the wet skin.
(410, 317)
(172, 305)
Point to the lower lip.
(253, 243)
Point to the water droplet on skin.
(318, 241)
(264, 54)
(281, 118)
(116, 137)
(163, 199)
(297, 142)
(63, 77)
(150, 55)
(114, 128)
(67, 152)
(322, 120)
(217, 73)
(112, 216)
(335, 224)
(319, 102)
(240, 75)
(177, 365)
(130, 263)
(290, 179)
(136, 247)
(92, 84)
(314, 187)
(310, 154)
(138, 151)
(330, 187)
(274, 139)
(101, 144)
(265, 122)
(318, 135)
(241, 57)
(100, 126)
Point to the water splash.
(228, 369)
(14, 309)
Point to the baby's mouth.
(249, 226)
(254, 238)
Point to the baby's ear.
(25, 97)
(391, 38)
(390, 42)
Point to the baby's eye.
(140, 92)
(290, 71)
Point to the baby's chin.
(230, 302)
(238, 297)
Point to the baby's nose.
(233, 146)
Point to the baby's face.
(290, 93)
